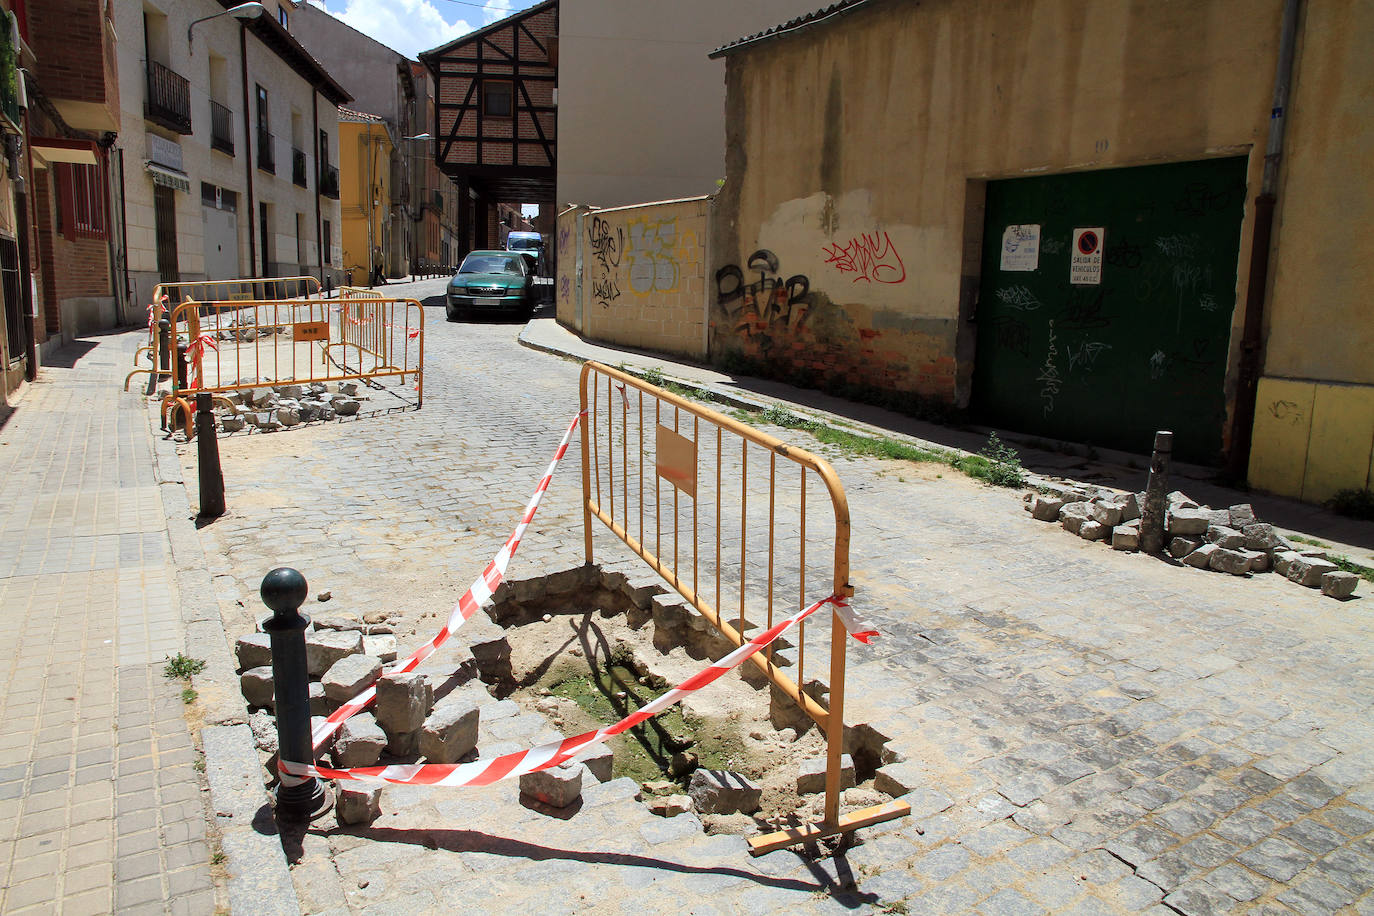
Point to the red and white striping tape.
(486, 772)
(478, 593)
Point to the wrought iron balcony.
(221, 128)
(169, 98)
(298, 167)
(329, 182)
(267, 161)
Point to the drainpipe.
(1252, 335)
(21, 207)
(124, 230)
(249, 151)
(319, 170)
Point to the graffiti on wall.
(769, 301)
(564, 236)
(606, 245)
(870, 257)
(652, 256)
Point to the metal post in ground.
(180, 379)
(164, 344)
(1152, 513)
(207, 450)
(284, 590)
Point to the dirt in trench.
(585, 659)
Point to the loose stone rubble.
(444, 713)
(1228, 540)
(282, 405)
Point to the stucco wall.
(288, 94)
(643, 279)
(1314, 423)
(856, 152)
(639, 102)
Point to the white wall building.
(230, 145)
(641, 108)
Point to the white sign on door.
(1021, 247)
(1085, 261)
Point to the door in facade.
(265, 238)
(221, 244)
(16, 339)
(165, 231)
(1105, 305)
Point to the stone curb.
(259, 878)
(732, 398)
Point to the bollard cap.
(284, 590)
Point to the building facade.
(640, 104)
(366, 148)
(494, 131)
(229, 141)
(388, 85)
(59, 231)
(922, 204)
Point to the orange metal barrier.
(247, 289)
(240, 345)
(748, 541)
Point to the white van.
(531, 245)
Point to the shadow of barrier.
(683, 500)
(239, 345)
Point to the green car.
(492, 281)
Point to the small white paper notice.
(1085, 261)
(1021, 247)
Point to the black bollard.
(164, 344)
(180, 380)
(1153, 512)
(284, 590)
(207, 450)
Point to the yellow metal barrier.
(748, 542)
(241, 345)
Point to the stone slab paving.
(101, 806)
(1080, 730)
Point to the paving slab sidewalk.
(102, 806)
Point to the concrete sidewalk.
(1105, 467)
(101, 801)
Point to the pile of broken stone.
(344, 657)
(1223, 540)
(278, 405)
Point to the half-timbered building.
(495, 117)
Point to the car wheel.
(452, 314)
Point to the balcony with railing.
(169, 98)
(329, 182)
(298, 167)
(221, 128)
(267, 161)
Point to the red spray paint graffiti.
(869, 257)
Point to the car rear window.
(491, 264)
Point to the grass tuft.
(183, 667)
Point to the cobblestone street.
(1081, 730)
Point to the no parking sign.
(1085, 261)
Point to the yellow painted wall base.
(1312, 438)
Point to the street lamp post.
(242, 11)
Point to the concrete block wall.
(643, 281)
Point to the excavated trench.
(588, 647)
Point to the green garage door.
(1106, 302)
